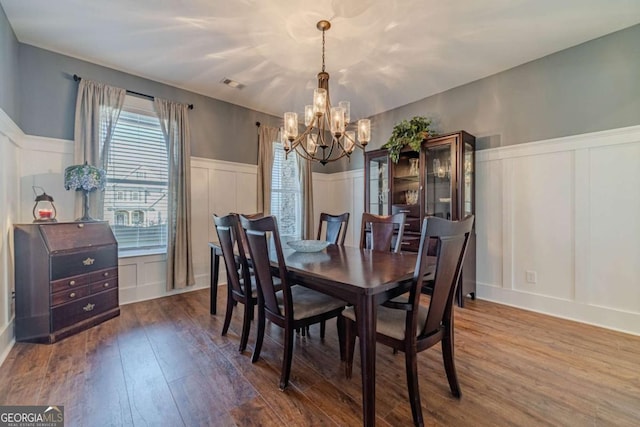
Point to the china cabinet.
(437, 181)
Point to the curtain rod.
(77, 78)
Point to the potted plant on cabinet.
(408, 132)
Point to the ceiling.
(380, 54)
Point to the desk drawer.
(69, 283)
(82, 309)
(69, 295)
(83, 262)
(104, 275)
(103, 285)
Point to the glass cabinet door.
(468, 184)
(438, 178)
(379, 185)
(406, 180)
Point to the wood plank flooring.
(164, 363)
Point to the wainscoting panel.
(614, 208)
(10, 141)
(568, 211)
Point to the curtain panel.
(98, 107)
(266, 136)
(175, 127)
(306, 185)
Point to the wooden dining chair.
(410, 327)
(293, 306)
(335, 227)
(377, 232)
(241, 287)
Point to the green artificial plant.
(408, 132)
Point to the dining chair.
(293, 306)
(335, 227)
(411, 327)
(377, 232)
(241, 287)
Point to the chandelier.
(326, 137)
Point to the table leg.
(215, 272)
(366, 321)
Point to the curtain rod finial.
(258, 124)
(76, 78)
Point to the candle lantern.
(44, 210)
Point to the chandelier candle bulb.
(364, 131)
(308, 114)
(349, 141)
(291, 125)
(337, 121)
(312, 143)
(346, 107)
(319, 101)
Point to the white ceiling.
(380, 53)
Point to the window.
(137, 180)
(286, 194)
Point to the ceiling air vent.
(232, 83)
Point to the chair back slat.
(451, 239)
(377, 232)
(228, 230)
(258, 232)
(335, 229)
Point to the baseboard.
(7, 340)
(151, 291)
(603, 317)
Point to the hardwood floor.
(164, 363)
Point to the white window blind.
(137, 182)
(286, 203)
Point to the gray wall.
(219, 130)
(590, 87)
(8, 68)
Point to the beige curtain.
(98, 107)
(306, 185)
(175, 127)
(266, 136)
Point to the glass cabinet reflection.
(437, 184)
(378, 182)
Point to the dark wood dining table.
(362, 278)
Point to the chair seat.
(308, 303)
(391, 321)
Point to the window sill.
(141, 253)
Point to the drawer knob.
(89, 307)
(88, 261)
(71, 283)
(80, 225)
(72, 295)
(106, 285)
(106, 274)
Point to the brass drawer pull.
(106, 285)
(72, 295)
(88, 261)
(71, 283)
(89, 307)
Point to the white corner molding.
(10, 129)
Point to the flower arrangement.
(85, 178)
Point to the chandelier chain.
(323, 51)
